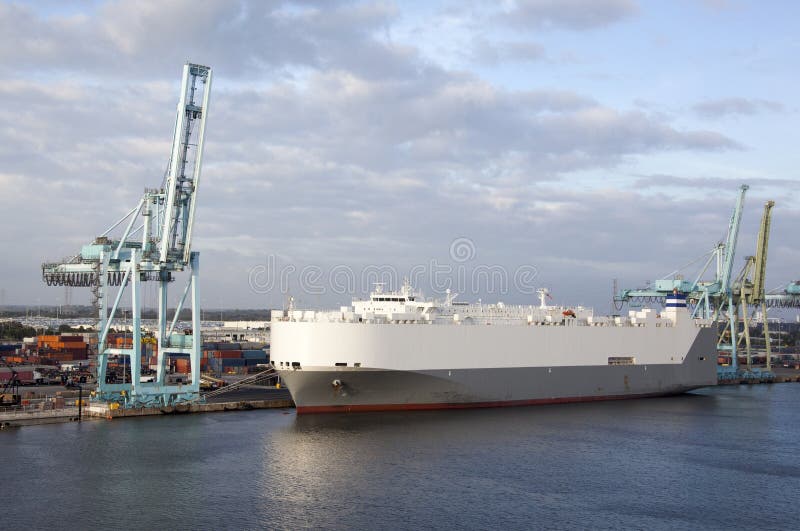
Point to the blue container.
(229, 346)
(253, 354)
(254, 362)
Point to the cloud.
(243, 39)
(340, 135)
(329, 142)
(488, 53)
(568, 14)
(712, 183)
(721, 108)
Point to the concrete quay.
(103, 411)
(33, 417)
(94, 411)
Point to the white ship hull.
(353, 366)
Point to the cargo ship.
(398, 351)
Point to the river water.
(720, 458)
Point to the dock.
(33, 417)
(245, 401)
(103, 411)
(759, 376)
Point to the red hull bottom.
(354, 408)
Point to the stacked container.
(232, 358)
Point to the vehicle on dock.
(209, 383)
(9, 396)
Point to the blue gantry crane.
(708, 296)
(723, 297)
(784, 297)
(154, 245)
(711, 298)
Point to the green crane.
(749, 288)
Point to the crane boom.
(181, 185)
(730, 242)
(760, 266)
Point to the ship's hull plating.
(343, 389)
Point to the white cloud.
(568, 14)
(329, 142)
(722, 107)
(489, 53)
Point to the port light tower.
(154, 245)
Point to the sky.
(492, 148)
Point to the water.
(718, 458)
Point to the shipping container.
(61, 356)
(251, 345)
(226, 362)
(182, 365)
(229, 346)
(253, 354)
(180, 340)
(24, 377)
(228, 354)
